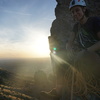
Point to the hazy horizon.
(26, 67)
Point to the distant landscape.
(26, 66)
(24, 79)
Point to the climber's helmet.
(77, 3)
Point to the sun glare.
(41, 46)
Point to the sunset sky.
(25, 27)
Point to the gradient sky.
(25, 27)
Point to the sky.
(25, 27)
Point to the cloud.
(10, 35)
(14, 12)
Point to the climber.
(86, 31)
(86, 36)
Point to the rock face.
(63, 23)
(94, 6)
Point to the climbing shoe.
(51, 95)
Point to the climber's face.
(78, 13)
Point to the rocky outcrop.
(63, 23)
(94, 6)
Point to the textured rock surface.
(63, 23)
